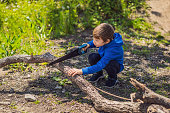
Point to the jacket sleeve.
(97, 67)
(101, 63)
(91, 44)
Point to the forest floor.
(144, 59)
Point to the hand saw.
(72, 54)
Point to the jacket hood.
(117, 41)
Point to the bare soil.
(160, 15)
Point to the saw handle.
(80, 49)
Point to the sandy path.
(160, 14)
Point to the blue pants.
(112, 68)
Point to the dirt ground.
(160, 15)
(150, 67)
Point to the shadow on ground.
(147, 64)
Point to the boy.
(109, 56)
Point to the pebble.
(58, 87)
(9, 95)
(7, 99)
(29, 76)
(63, 91)
(30, 97)
(5, 103)
(139, 70)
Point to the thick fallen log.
(100, 103)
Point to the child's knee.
(113, 66)
(94, 58)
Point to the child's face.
(99, 42)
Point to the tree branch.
(148, 96)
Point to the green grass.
(23, 29)
(168, 67)
(58, 101)
(141, 52)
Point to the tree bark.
(100, 103)
(148, 96)
(47, 57)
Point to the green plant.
(23, 30)
(67, 94)
(13, 106)
(133, 89)
(62, 81)
(57, 79)
(64, 17)
(58, 101)
(140, 24)
(168, 67)
(37, 102)
(9, 45)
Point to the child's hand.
(85, 48)
(75, 71)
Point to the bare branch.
(47, 57)
(148, 96)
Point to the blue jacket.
(108, 52)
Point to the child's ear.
(107, 41)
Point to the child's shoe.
(111, 82)
(95, 77)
